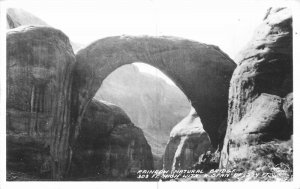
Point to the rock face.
(20, 17)
(108, 142)
(201, 71)
(109, 145)
(188, 141)
(155, 108)
(260, 99)
(40, 61)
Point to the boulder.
(109, 146)
(260, 99)
(188, 141)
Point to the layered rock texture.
(201, 71)
(155, 108)
(44, 118)
(39, 73)
(39, 67)
(109, 146)
(260, 97)
(188, 141)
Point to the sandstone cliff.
(188, 141)
(109, 146)
(202, 72)
(260, 97)
(155, 108)
(39, 73)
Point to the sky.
(228, 24)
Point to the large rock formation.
(19, 17)
(39, 67)
(260, 99)
(188, 141)
(155, 108)
(40, 61)
(109, 146)
(201, 71)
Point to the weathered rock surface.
(259, 111)
(39, 71)
(188, 141)
(109, 145)
(28, 155)
(19, 17)
(155, 108)
(201, 71)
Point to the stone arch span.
(201, 71)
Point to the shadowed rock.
(109, 145)
(40, 61)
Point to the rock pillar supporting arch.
(202, 72)
(40, 63)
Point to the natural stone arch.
(202, 72)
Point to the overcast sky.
(228, 24)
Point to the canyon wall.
(40, 61)
(39, 71)
(260, 111)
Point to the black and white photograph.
(148, 91)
